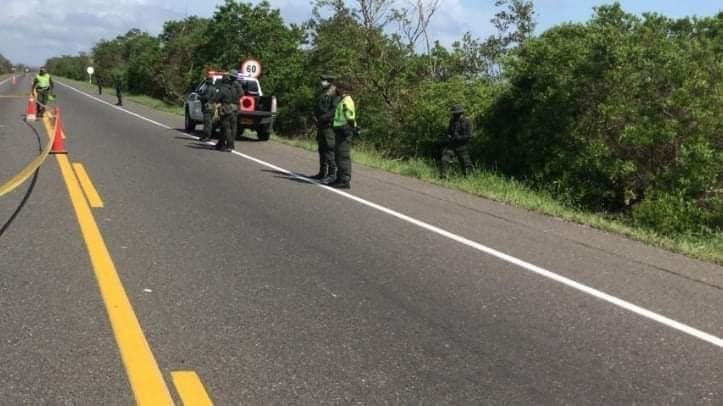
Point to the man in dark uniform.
(118, 84)
(459, 134)
(323, 114)
(228, 95)
(42, 88)
(345, 126)
(239, 91)
(99, 83)
(210, 110)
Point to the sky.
(31, 31)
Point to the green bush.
(668, 214)
(618, 111)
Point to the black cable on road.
(30, 188)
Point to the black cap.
(457, 109)
(328, 76)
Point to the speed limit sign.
(251, 68)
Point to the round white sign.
(251, 67)
(90, 70)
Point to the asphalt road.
(277, 291)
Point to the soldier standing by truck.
(210, 109)
(323, 114)
(228, 95)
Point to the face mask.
(325, 84)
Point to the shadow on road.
(189, 136)
(284, 175)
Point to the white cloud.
(33, 30)
(456, 17)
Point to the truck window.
(251, 86)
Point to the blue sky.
(71, 26)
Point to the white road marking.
(5, 81)
(114, 106)
(676, 325)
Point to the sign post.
(90, 71)
(251, 68)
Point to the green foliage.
(669, 214)
(616, 112)
(5, 65)
(69, 66)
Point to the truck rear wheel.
(263, 133)
(189, 123)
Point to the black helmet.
(457, 109)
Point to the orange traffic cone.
(30, 111)
(58, 144)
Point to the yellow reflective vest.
(345, 112)
(43, 81)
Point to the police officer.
(228, 96)
(459, 134)
(344, 125)
(210, 110)
(118, 84)
(323, 114)
(42, 88)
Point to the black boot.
(341, 184)
(323, 173)
(330, 177)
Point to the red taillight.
(247, 103)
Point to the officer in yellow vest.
(344, 124)
(42, 88)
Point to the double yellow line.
(145, 377)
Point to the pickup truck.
(256, 111)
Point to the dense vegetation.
(5, 65)
(622, 114)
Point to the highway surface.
(196, 276)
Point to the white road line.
(681, 327)
(114, 106)
(4, 81)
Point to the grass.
(502, 189)
(493, 186)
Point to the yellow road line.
(144, 376)
(28, 170)
(90, 192)
(190, 389)
(62, 132)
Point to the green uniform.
(459, 134)
(118, 84)
(324, 113)
(228, 96)
(210, 110)
(43, 86)
(344, 123)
